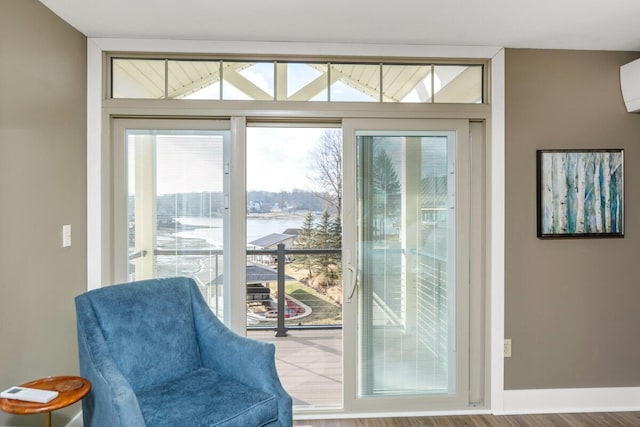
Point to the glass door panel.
(172, 200)
(410, 303)
(407, 230)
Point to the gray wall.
(571, 305)
(42, 187)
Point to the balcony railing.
(281, 254)
(432, 290)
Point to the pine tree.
(335, 232)
(386, 189)
(306, 240)
(323, 241)
(335, 242)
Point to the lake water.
(256, 228)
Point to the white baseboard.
(357, 415)
(551, 401)
(544, 401)
(76, 421)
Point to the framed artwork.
(580, 193)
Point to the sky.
(278, 159)
(281, 159)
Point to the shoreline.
(277, 215)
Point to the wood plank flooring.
(309, 365)
(604, 419)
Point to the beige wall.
(42, 187)
(572, 306)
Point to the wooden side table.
(70, 390)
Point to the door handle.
(353, 278)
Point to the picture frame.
(580, 193)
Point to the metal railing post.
(281, 331)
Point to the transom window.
(221, 79)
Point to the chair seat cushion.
(212, 401)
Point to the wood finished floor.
(318, 383)
(604, 419)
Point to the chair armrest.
(111, 401)
(246, 360)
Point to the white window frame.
(98, 165)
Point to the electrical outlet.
(507, 348)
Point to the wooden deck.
(309, 364)
(310, 367)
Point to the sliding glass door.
(171, 203)
(403, 281)
(407, 311)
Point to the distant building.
(292, 231)
(272, 241)
(254, 206)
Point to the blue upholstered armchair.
(157, 356)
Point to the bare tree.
(560, 223)
(547, 194)
(306, 240)
(328, 176)
(606, 175)
(597, 193)
(580, 188)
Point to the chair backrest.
(148, 327)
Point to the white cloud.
(278, 159)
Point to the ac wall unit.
(630, 84)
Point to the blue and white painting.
(581, 193)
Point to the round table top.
(70, 390)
